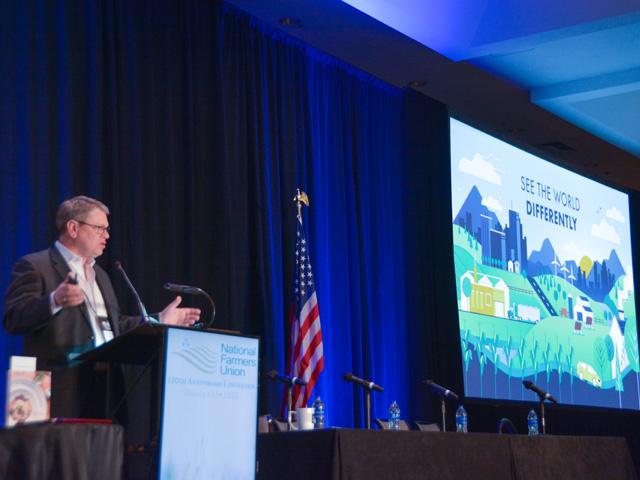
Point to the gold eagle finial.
(300, 198)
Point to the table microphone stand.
(289, 405)
(367, 407)
(542, 420)
(290, 382)
(443, 393)
(368, 386)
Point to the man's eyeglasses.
(98, 228)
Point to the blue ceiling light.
(579, 60)
(446, 27)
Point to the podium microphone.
(141, 308)
(189, 290)
(541, 393)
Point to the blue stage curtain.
(195, 123)
(337, 133)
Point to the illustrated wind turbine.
(564, 271)
(571, 277)
(555, 264)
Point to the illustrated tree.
(631, 344)
(482, 360)
(522, 358)
(570, 355)
(533, 353)
(466, 354)
(547, 357)
(559, 363)
(611, 349)
(600, 355)
(509, 358)
(619, 384)
(617, 375)
(611, 353)
(493, 348)
(466, 287)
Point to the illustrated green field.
(520, 290)
(522, 348)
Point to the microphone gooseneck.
(141, 307)
(174, 287)
(274, 375)
(189, 290)
(529, 385)
(367, 384)
(440, 391)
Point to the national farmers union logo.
(200, 357)
(232, 359)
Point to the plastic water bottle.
(394, 416)
(318, 414)
(461, 420)
(532, 422)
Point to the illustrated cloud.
(614, 214)
(571, 250)
(628, 279)
(480, 168)
(605, 231)
(492, 203)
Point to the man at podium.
(63, 304)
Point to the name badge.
(107, 332)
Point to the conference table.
(343, 454)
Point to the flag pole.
(299, 199)
(306, 359)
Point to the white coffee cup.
(304, 417)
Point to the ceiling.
(559, 78)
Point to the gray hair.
(77, 208)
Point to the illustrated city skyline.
(503, 246)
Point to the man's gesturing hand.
(68, 293)
(173, 315)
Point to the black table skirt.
(360, 454)
(64, 451)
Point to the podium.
(203, 397)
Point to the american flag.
(306, 360)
